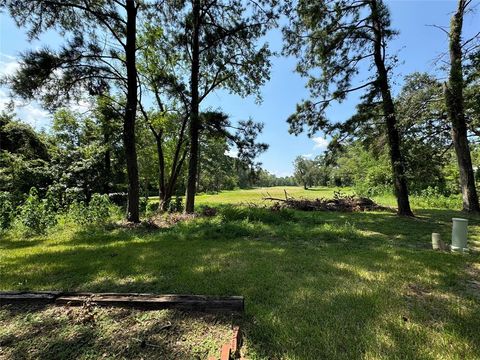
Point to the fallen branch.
(340, 202)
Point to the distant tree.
(336, 37)
(217, 168)
(305, 171)
(100, 54)
(454, 101)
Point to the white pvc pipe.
(459, 234)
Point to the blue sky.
(417, 46)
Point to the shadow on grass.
(51, 332)
(317, 285)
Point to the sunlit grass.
(317, 285)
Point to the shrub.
(119, 198)
(152, 208)
(95, 213)
(433, 197)
(74, 194)
(176, 206)
(142, 205)
(37, 215)
(7, 210)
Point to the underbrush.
(37, 216)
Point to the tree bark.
(194, 114)
(162, 195)
(396, 158)
(131, 113)
(107, 161)
(453, 91)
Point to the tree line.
(151, 65)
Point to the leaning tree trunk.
(396, 158)
(454, 102)
(130, 114)
(194, 114)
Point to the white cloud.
(320, 143)
(34, 115)
(8, 65)
(31, 112)
(232, 152)
(307, 156)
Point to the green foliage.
(176, 206)
(7, 210)
(19, 174)
(37, 215)
(305, 171)
(369, 174)
(96, 212)
(20, 138)
(151, 208)
(433, 197)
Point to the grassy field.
(317, 285)
(256, 195)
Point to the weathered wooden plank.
(151, 301)
(136, 300)
(31, 297)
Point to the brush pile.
(340, 202)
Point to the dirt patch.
(109, 333)
(157, 221)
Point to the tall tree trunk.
(162, 196)
(194, 114)
(454, 102)
(107, 161)
(396, 158)
(131, 113)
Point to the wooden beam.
(132, 300)
(7, 297)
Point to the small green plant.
(7, 210)
(37, 215)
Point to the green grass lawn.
(256, 195)
(317, 285)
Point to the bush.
(37, 215)
(176, 206)
(119, 198)
(95, 213)
(7, 210)
(366, 190)
(142, 204)
(433, 197)
(152, 208)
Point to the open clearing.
(317, 285)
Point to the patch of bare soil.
(157, 221)
(36, 332)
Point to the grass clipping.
(340, 202)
